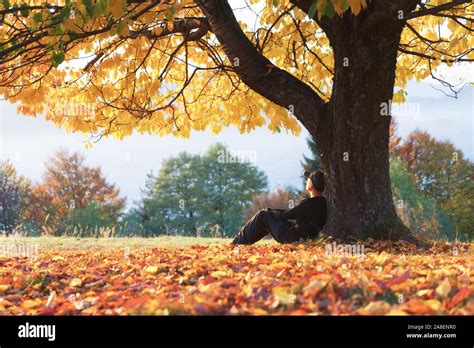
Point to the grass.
(51, 242)
(58, 243)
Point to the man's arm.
(291, 214)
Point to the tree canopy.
(167, 67)
(73, 194)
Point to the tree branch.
(436, 9)
(256, 71)
(426, 56)
(192, 28)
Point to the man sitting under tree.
(310, 216)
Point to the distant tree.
(131, 224)
(70, 191)
(40, 209)
(200, 195)
(171, 200)
(90, 218)
(421, 214)
(395, 139)
(280, 198)
(438, 167)
(461, 207)
(14, 197)
(313, 161)
(230, 181)
(442, 173)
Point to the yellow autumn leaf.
(283, 294)
(423, 292)
(28, 304)
(4, 287)
(338, 7)
(154, 269)
(218, 274)
(258, 311)
(443, 288)
(375, 308)
(355, 6)
(157, 30)
(253, 259)
(151, 269)
(75, 282)
(434, 304)
(395, 311)
(316, 285)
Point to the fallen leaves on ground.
(298, 279)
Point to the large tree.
(174, 66)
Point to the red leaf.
(459, 297)
(399, 279)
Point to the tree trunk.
(354, 140)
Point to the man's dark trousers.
(263, 223)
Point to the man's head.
(315, 181)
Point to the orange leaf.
(459, 297)
(399, 279)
